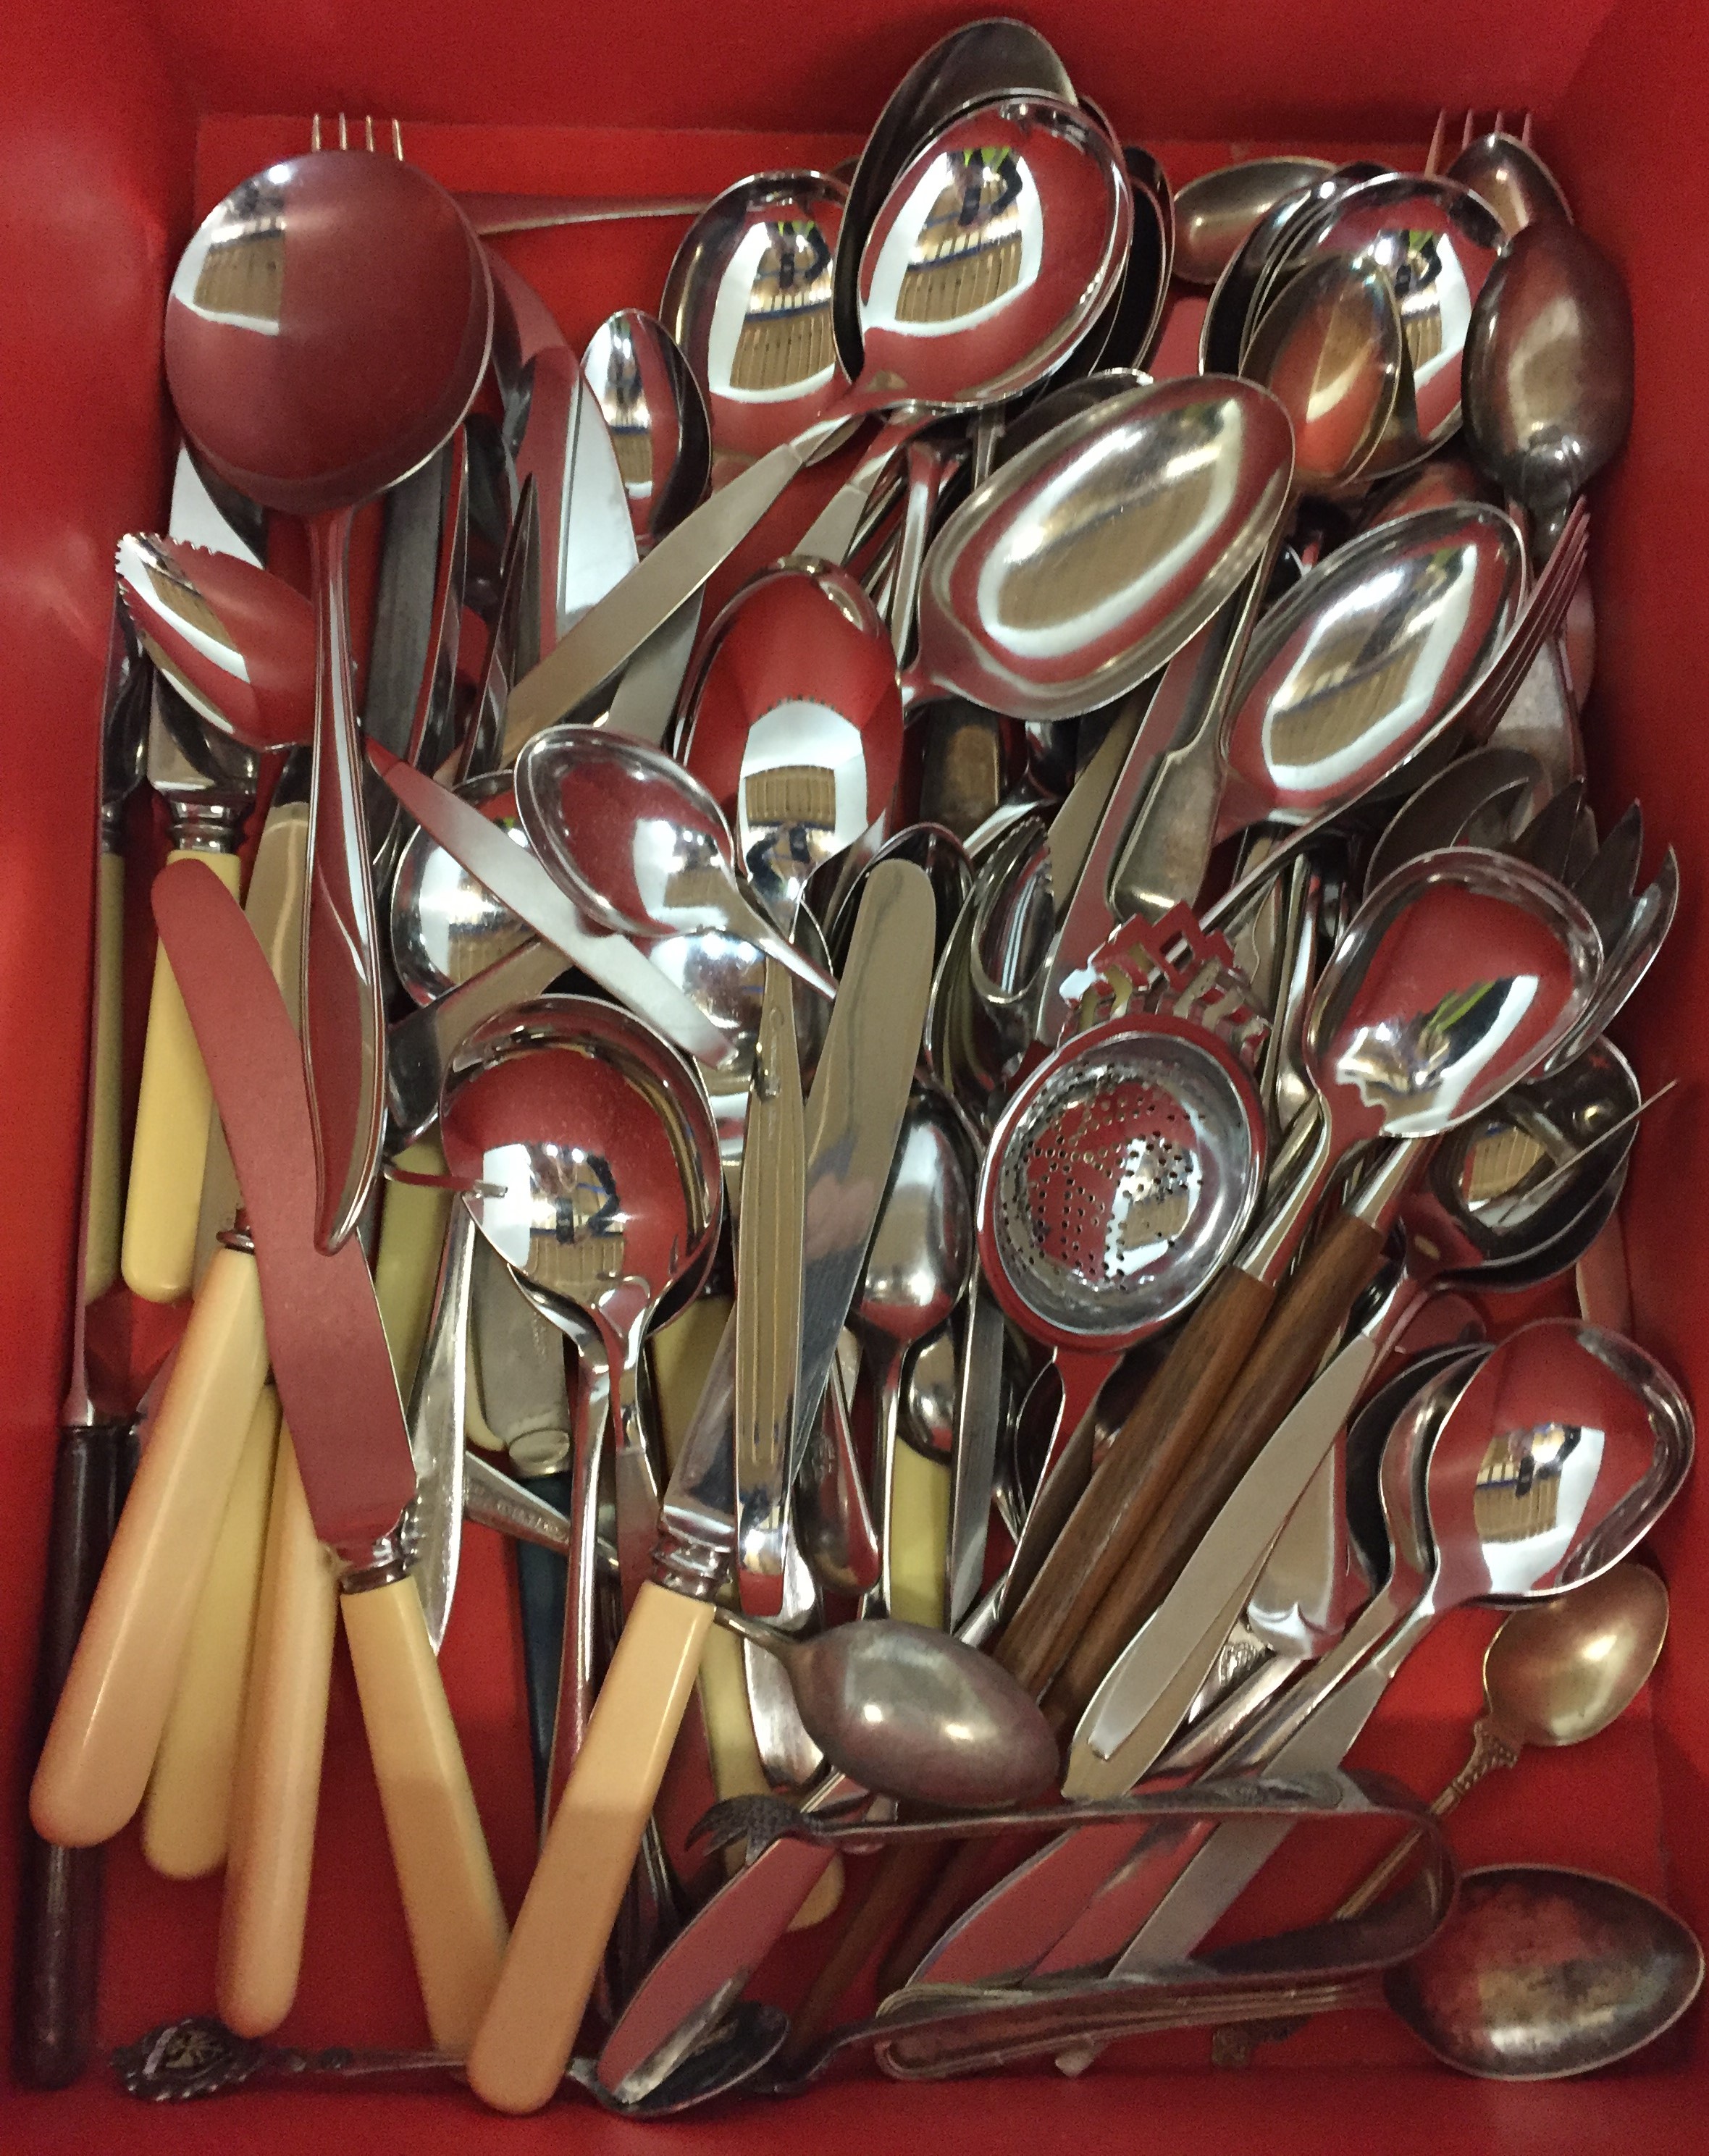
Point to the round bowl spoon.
(445, 925)
(236, 642)
(590, 1164)
(1512, 179)
(910, 1712)
(1557, 1673)
(1217, 214)
(639, 843)
(325, 329)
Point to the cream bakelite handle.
(106, 1728)
(451, 1906)
(277, 1787)
(106, 1201)
(920, 1537)
(187, 1815)
(413, 1223)
(525, 2040)
(174, 1107)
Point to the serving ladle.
(639, 843)
(1454, 980)
(326, 328)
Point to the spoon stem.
(1492, 1747)
(590, 1410)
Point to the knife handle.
(277, 1787)
(573, 1900)
(187, 1814)
(413, 1222)
(174, 1107)
(104, 1202)
(59, 1938)
(107, 1727)
(918, 1529)
(1307, 1322)
(451, 1906)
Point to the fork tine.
(1435, 152)
(368, 129)
(397, 140)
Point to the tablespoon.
(1550, 1467)
(657, 418)
(335, 268)
(638, 843)
(1508, 174)
(793, 725)
(1490, 938)
(916, 1270)
(1477, 801)
(445, 926)
(1216, 214)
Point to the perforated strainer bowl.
(1120, 1178)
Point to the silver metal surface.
(1216, 214)
(446, 926)
(435, 1423)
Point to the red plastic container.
(122, 120)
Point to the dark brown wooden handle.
(889, 1894)
(1307, 1321)
(59, 1916)
(1128, 1487)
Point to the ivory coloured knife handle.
(276, 1791)
(413, 1220)
(59, 1914)
(451, 1906)
(104, 1199)
(106, 1728)
(174, 1106)
(920, 1537)
(556, 1949)
(187, 1814)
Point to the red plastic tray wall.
(122, 122)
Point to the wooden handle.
(105, 1198)
(451, 1906)
(106, 1728)
(277, 1787)
(413, 1222)
(920, 1537)
(174, 1108)
(1150, 1451)
(1307, 1320)
(519, 2056)
(187, 1815)
(58, 1915)
(898, 1884)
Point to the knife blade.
(854, 1111)
(518, 880)
(611, 633)
(207, 782)
(769, 1302)
(1138, 1707)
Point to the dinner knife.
(768, 1318)
(207, 782)
(59, 1889)
(335, 1380)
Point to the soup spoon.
(1508, 175)
(1216, 214)
(334, 272)
(639, 843)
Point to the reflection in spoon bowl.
(446, 926)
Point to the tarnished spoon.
(1216, 214)
(1509, 175)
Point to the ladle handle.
(169, 1145)
(1307, 1320)
(187, 1814)
(276, 1792)
(1161, 1436)
(451, 1906)
(107, 1727)
(519, 2052)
